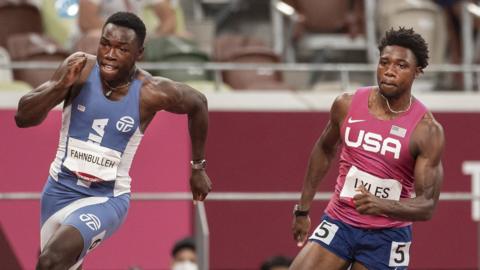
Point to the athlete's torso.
(98, 140)
(374, 153)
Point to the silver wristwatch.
(198, 165)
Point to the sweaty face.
(117, 52)
(396, 70)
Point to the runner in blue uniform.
(108, 103)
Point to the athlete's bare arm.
(163, 94)
(35, 105)
(427, 145)
(323, 153)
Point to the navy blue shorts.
(374, 248)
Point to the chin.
(389, 92)
(108, 76)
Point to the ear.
(141, 50)
(418, 71)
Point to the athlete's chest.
(104, 122)
(386, 139)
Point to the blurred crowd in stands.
(233, 32)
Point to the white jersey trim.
(123, 182)
(55, 167)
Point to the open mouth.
(109, 68)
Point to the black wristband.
(299, 213)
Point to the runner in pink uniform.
(390, 169)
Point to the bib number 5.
(325, 232)
(399, 254)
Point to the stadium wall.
(257, 142)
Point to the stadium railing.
(201, 223)
(344, 69)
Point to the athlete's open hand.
(200, 185)
(366, 203)
(300, 229)
(72, 70)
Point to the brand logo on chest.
(373, 142)
(125, 124)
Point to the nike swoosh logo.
(351, 121)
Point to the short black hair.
(407, 38)
(275, 261)
(129, 20)
(185, 243)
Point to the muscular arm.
(35, 105)
(194, 104)
(180, 98)
(428, 175)
(323, 151)
(428, 143)
(162, 94)
(321, 157)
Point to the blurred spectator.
(453, 11)
(184, 256)
(276, 263)
(245, 17)
(244, 49)
(319, 23)
(92, 13)
(341, 16)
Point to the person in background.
(92, 14)
(278, 262)
(184, 256)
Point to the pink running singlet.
(376, 153)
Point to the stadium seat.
(18, 17)
(246, 50)
(6, 75)
(325, 24)
(174, 49)
(425, 17)
(254, 79)
(34, 47)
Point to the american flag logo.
(398, 131)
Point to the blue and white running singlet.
(89, 183)
(98, 140)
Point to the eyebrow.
(394, 59)
(121, 43)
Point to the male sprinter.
(108, 104)
(390, 169)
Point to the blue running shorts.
(374, 248)
(97, 218)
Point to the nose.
(389, 72)
(110, 54)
